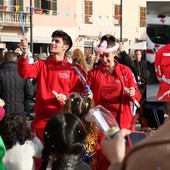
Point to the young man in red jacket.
(56, 79)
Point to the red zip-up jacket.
(96, 78)
(51, 75)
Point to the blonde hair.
(79, 58)
(91, 63)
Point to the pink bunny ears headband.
(103, 49)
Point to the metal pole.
(31, 31)
(121, 19)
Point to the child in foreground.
(21, 145)
(64, 139)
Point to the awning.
(140, 46)
(89, 37)
(41, 40)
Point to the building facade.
(84, 20)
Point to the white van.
(158, 34)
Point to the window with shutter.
(46, 6)
(11, 4)
(117, 15)
(37, 4)
(1, 5)
(20, 5)
(53, 6)
(142, 16)
(88, 11)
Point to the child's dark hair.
(64, 134)
(13, 129)
(79, 104)
(66, 38)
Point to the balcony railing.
(14, 19)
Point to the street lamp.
(31, 40)
(121, 19)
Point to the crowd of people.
(59, 136)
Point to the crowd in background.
(48, 91)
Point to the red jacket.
(97, 76)
(162, 69)
(51, 75)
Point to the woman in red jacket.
(109, 80)
(108, 83)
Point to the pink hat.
(2, 113)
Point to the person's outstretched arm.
(126, 59)
(25, 69)
(114, 149)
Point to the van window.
(159, 34)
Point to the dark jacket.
(14, 90)
(126, 60)
(141, 70)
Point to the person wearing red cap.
(162, 67)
